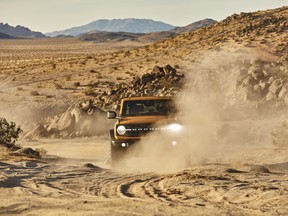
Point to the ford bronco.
(139, 116)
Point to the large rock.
(276, 86)
(78, 120)
(28, 152)
(65, 121)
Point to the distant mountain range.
(130, 25)
(144, 37)
(144, 30)
(6, 36)
(19, 31)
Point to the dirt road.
(77, 182)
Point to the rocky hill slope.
(19, 31)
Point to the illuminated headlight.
(121, 130)
(175, 127)
(174, 143)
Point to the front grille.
(137, 130)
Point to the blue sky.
(52, 15)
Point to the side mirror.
(111, 115)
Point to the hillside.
(116, 25)
(19, 31)
(193, 26)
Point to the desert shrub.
(68, 78)
(99, 76)
(4, 153)
(9, 132)
(76, 84)
(176, 66)
(34, 93)
(57, 86)
(89, 91)
(280, 135)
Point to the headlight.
(121, 130)
(175, 127)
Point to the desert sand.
(80, 183)
(233, 106)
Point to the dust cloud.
(219, 125)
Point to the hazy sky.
(51, 15)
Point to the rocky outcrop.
(77, 121)
(161, 81)
(89, 118)
(265, 81)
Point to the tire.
(117, 156)
(117, 153)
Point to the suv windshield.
(147, 107)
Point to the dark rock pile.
(15, 150)
(26, 152)
(161, 81)
(267, 24)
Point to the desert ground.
(233, 101)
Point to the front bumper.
(173, 143)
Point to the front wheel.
(118, 156)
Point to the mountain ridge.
(131, 25)
(148, 37)
(19, 31)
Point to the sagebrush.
(9, 132)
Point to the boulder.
(29, 152)
(146, 78)
(169, 70)
(159, 71)
(66, 121)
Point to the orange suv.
(137, 117)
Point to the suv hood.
(143, 119)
